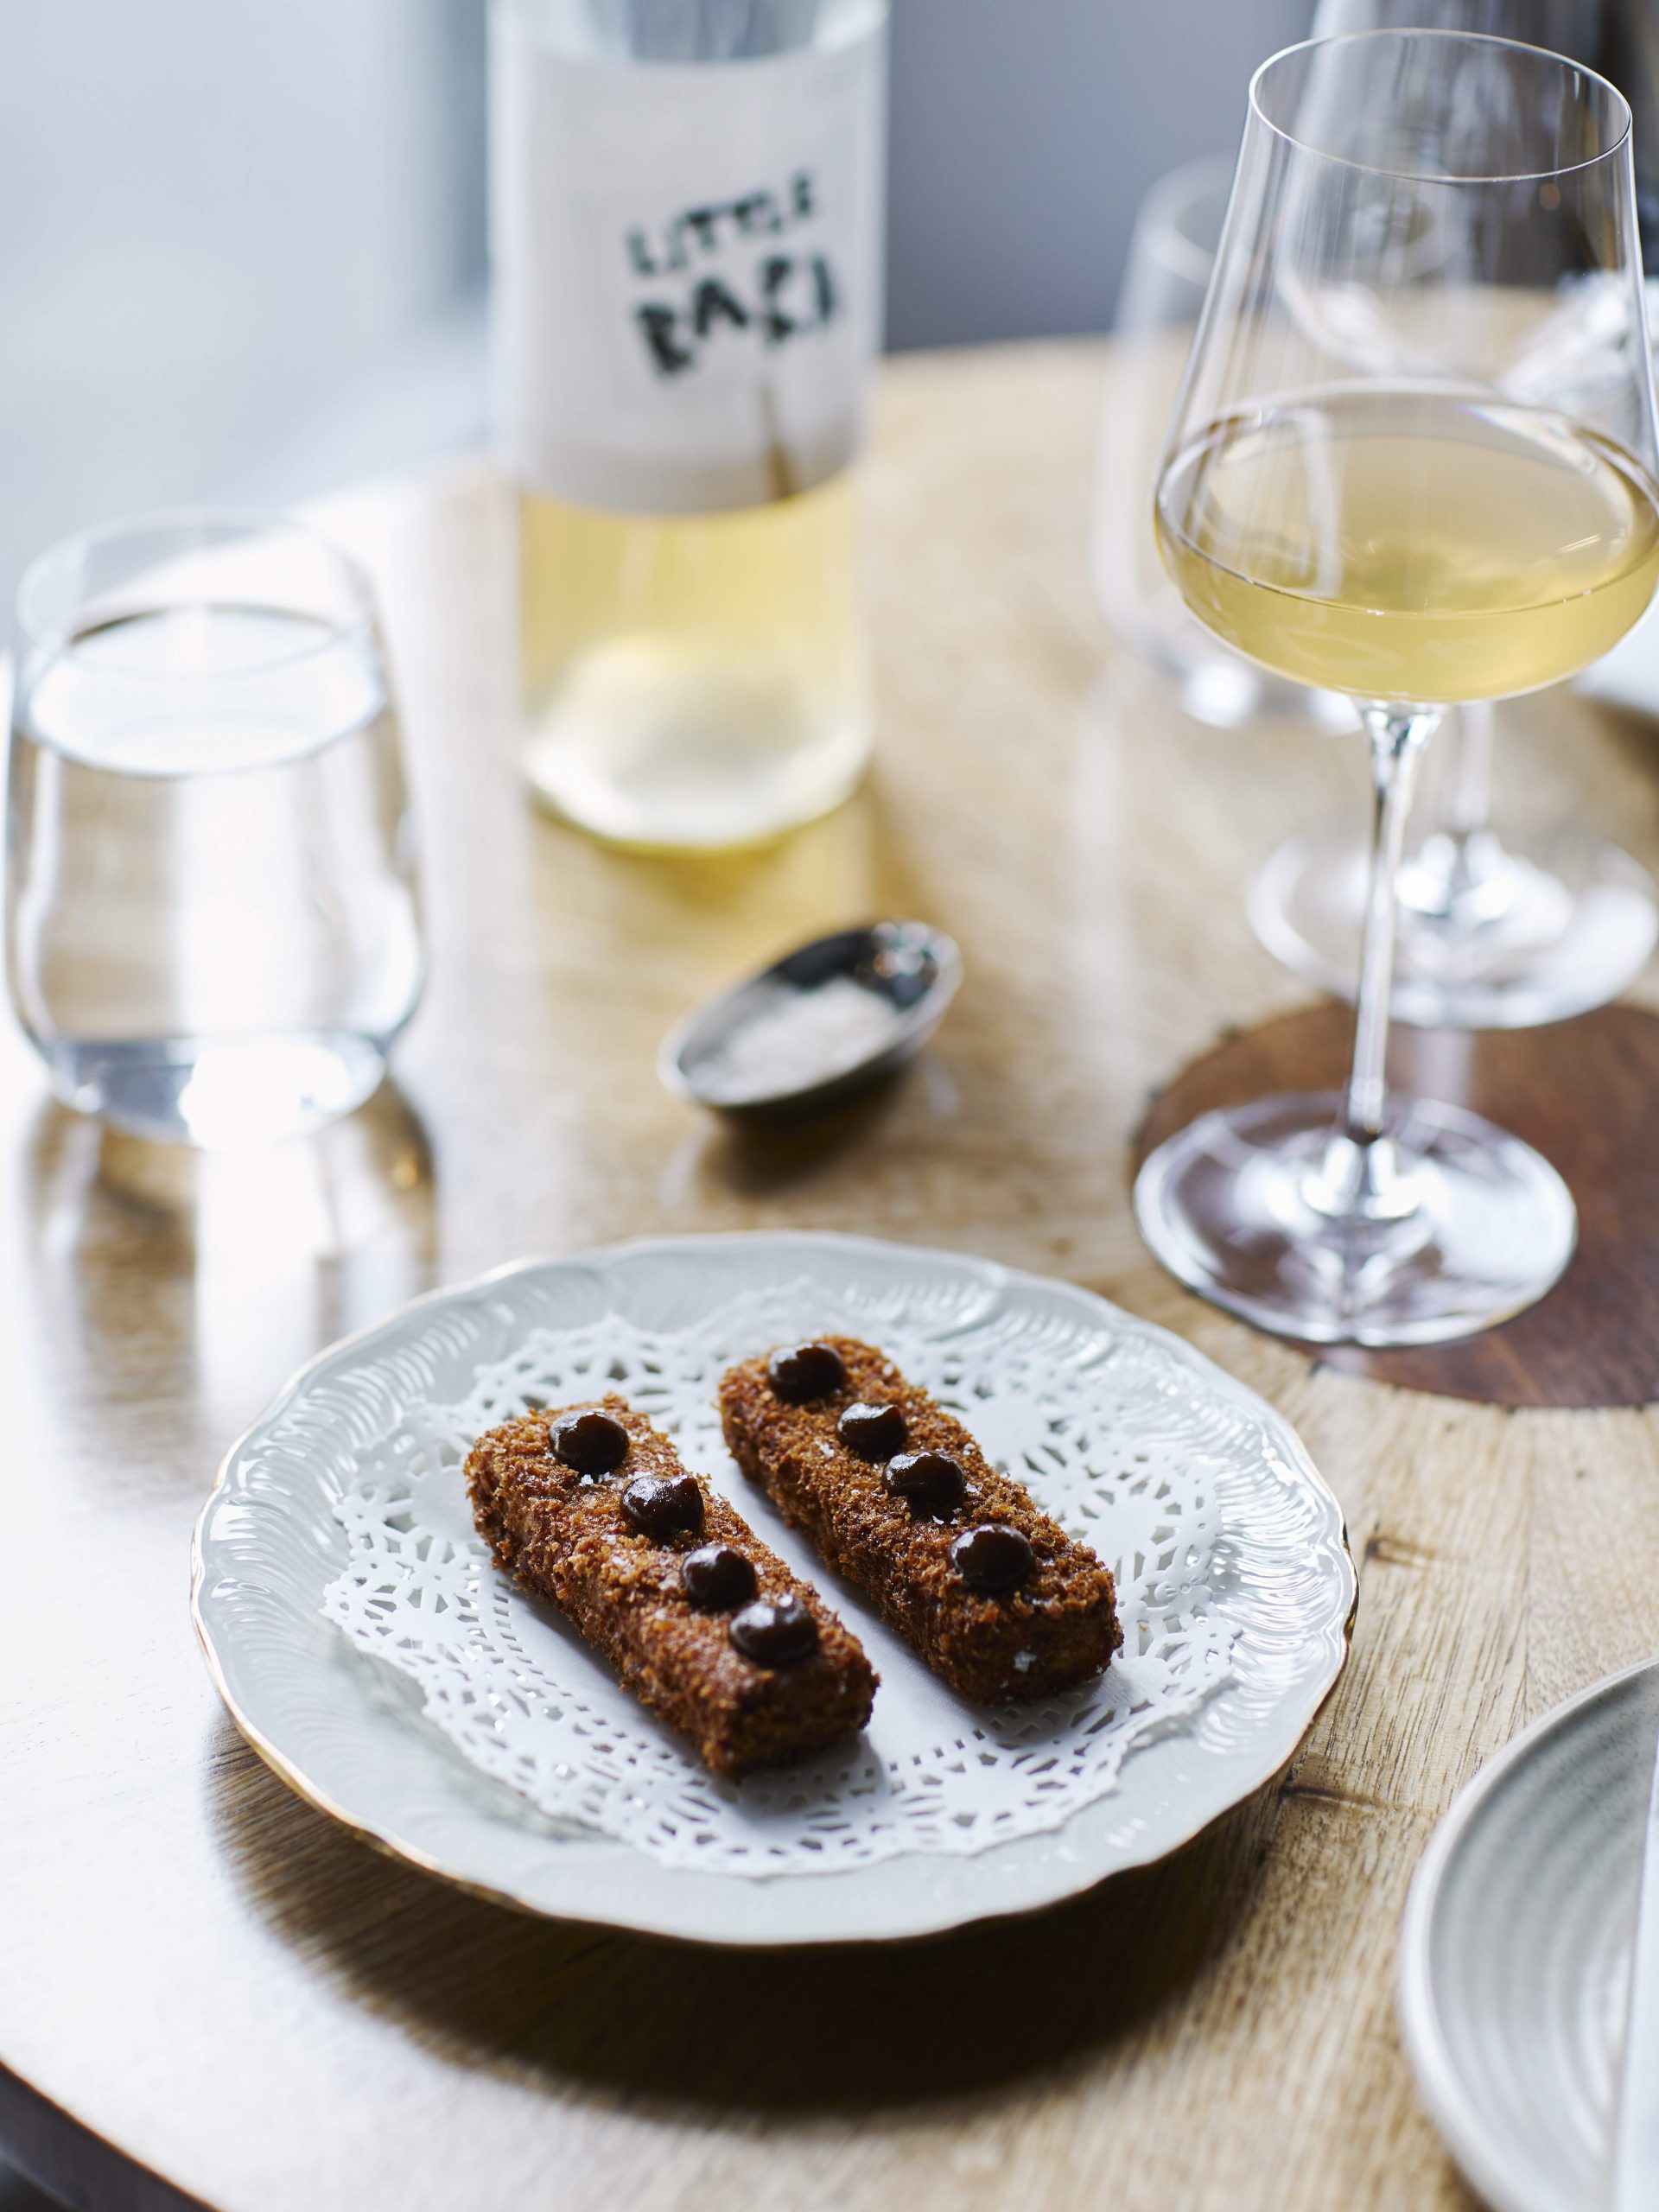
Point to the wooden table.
(222, 1989)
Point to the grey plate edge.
(1439, 2086)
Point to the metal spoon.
(817, 1024)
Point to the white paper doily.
(515, 1690)
(346, 1504)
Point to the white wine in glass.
(1426, 534)
(1434, 546)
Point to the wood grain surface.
(221, 1987)
(1583, 1092)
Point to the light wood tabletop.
(228, 1997)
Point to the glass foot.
(1488, 939)
(1445, 1226)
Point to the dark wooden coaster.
(1586, 1093)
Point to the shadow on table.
(771, 2031)
(753, 1157)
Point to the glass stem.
(1459, 879)
(1397, 737)
(1466, 792)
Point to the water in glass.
(212, 927)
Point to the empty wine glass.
(1172, 252)
(1368, 488)
(1492, 933)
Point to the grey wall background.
(242, 255)
(1024, 135)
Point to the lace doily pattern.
(1180, 1481)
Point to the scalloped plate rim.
(1279, 1747)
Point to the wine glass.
(1433, 528)
(1493, 934)
(1166, 275)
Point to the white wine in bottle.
(694, 680)
(686, 240)
(1415, 547)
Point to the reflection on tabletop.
(143, 1255)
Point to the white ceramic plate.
(269, 1542)
(1516, 1949)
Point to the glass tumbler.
(212, 920)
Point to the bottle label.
(686, 267)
